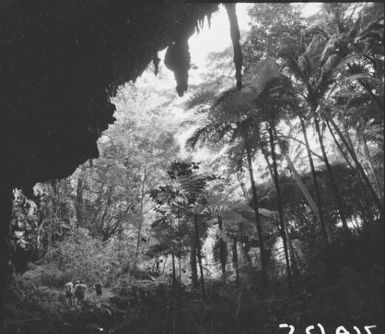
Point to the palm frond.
(211, 133)
(200, 134)
(203, 96)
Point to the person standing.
(69, 291)
(80, 291)
(99, 289)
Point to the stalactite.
(177, 59)
(235, 36)
(156, 61)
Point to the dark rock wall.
(60, 62)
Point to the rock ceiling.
(62, 60)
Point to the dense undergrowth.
(339, 294)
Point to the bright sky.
(216, 39)
(213, 39)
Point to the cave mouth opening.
(61, 62)
(149, 94)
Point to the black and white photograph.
(184, 167)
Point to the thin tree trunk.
(245, 245)
(108, 202)
(346, 157)
(309, 199)
(138, 239)
(235, 258)
(293, 259)
(280, 210)
(302, 143)
(173, 270)
(347, 136)
(265, 155)
(339, 146)
(5, 267)
(139, 234)
(370, 163)
(193, 265)
(336, 192)
(257, 220)
(179, 269)
(243, 187)
(79, 205)
(316, 186)
(199, 255)
(359, 166)
(179, 303)
(141, 195)
(179, 252)
(222, 248)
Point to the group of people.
(76, 291)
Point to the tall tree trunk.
(173, 270)
(235, 36)
(79, 205)
(316, 186)
(193, 265)
(141, 195)
(266, 156)
(353, 155)
(347, 136)
(139, 234)
(346, 157)
(309, 199)
(199, 255)
(222, 248)
(280, 210)
(138, 242)
(335, 189)
(243, 186)
(370, 163)
(5, 266)
(235, 258)
(257, 220)
(339, 146)
(293, 259)
(179, 253)
(245, 247)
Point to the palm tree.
(194, 187)
(272, 104)
(272, 136)
(222, 253)
(284, 149)
(329, 48)
(236, 119)
(228, 124)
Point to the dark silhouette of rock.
(61, 61)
